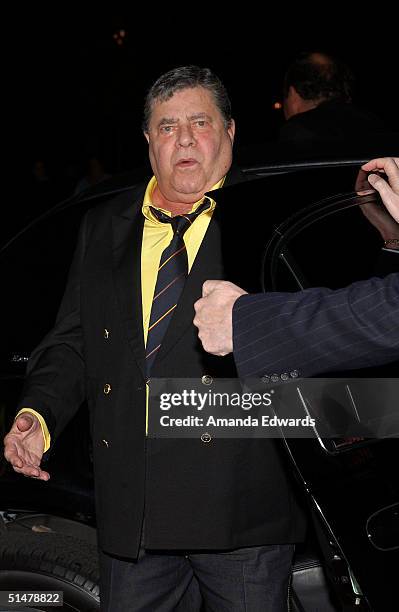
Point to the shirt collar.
(147, 201)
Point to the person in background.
(318, 103)
(323, 117)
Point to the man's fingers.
(28, 466)
(11, 453)
(32, 472)
(381, 186)
(14, 459)
(390, 165)
(28, 470)
(208, 348)
(198, 304)
(225, 288)
(381, 163)
(211, 285)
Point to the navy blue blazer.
(317, 330)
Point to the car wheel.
(51, 562)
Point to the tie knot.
(180, 223)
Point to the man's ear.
(231, 130)
(292, 103)
(147, 136)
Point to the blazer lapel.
(127, 238)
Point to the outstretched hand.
(24, 445)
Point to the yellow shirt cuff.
(45, 431)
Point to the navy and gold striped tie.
(172, 274)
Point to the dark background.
(75, 92)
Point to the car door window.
(332, 244)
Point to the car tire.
(51, 562)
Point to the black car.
(311, 231)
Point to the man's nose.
(185, 136)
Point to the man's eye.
(200, 123)
(166, 129)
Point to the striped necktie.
(172, 274)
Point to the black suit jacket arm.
(55, 384)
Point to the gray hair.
(187, 77)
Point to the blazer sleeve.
(317, 330)
(55, 383)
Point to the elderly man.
(181, 523)
(316, 330)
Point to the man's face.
(190, 148)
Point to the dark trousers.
(253, 579)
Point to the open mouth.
(186, 163)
